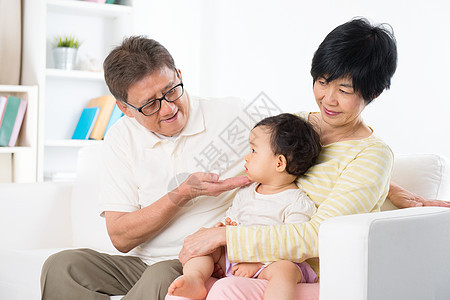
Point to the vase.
(65, 58)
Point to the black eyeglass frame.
(139, 109)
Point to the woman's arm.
(206, 240)
(362, 187)
(403, 198)
(203, 242)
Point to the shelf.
(14, 89)
(19, 163)
(12, 150)
(63, 94)
(74, 74)
(88, 8)
(70, 143)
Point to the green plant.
(67, 41)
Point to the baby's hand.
(228, 222)
(220, 224)
(246, 269)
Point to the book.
(3, 100)
(115, 115)
(106, 104)
(18, 123)
(9, 118)
(86, 123)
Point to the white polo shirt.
(141, 167)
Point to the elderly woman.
(351, 68)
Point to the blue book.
(86, 123)
(115, 115)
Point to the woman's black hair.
(365, 53)
(295, 139)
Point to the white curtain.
(10, 41)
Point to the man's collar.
(196, 121)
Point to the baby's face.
(261, 162)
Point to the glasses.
(153, 106)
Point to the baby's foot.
(189, 287)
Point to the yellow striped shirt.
(350, 177)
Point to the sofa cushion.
(89, 229)
(20, 272)
(427, 175)
(45, 205)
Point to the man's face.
(172, 117)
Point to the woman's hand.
(203, 242)
(402, 198)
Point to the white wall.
(241, 48)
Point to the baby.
(282, 148)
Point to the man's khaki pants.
(87, 274)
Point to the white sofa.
(400, 254)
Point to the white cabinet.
(18, 164)
(63, 94)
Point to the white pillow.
(89, 228)
(427, 175)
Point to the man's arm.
(130, 229)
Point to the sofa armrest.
(401, 254)
(35, 215)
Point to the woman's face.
(338, 103)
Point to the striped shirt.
(350, 177)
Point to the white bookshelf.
(63, 94)
(70, 143)
(89, 8)
(19, 163)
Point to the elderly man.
(159, 184)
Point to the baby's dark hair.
(295, 139)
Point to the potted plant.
(65, 52)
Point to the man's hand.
(206, 184)
(203, 242)
(246, 269)
(402, 198)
